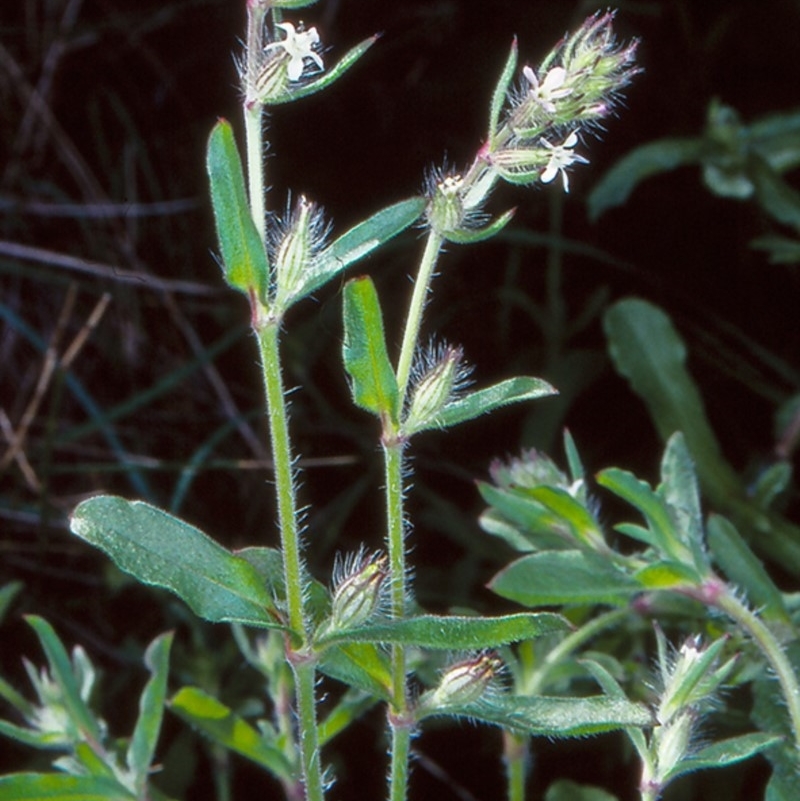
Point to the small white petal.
(549, 173)
(554, 79)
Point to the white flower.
(550, 89)
(561, 157)
(298, 45)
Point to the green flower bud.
(295, 246)
(434, 389)
(465, 682)
(446, 208)
(359, 593)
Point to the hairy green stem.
(293, 569)
(774, 654)
(395, 542)
(414, 319)
(253, 111)
(515, 747)
(401, 751)
(284, 478)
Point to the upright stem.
(414, 319)
(253, 111)
(294, 574)
(773, 653)
(398, 713)
(400, 723)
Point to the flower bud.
(434, 389)
(446, 209)
(578, 82)
(296, 244)
(465, 682)
(285, 61)
(358, 594)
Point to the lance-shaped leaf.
(555, 717)
(360, 241)
(564, 577)
(162, 550)
(222, 725)
(372, 379)
(244, 258)
(661, 528)
(614, 188)
(501, 91)
(292, 3)
(362, 665)
(680, 492)
(725, 752)
(581, 524)
(468, 236)
(474, 404)
(453, 632)
(61, 787)
(327, 77)
(142, 747)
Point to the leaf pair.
(373, 382)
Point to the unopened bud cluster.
(689, 685)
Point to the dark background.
(124, 95)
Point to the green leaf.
(453, 632)
(539, 528)
(582, 526)
(327, 77)
(60, 787)
(373, 383)
(679, 490)
(468, 236)
(361, 665)
(576, 469)
(501, 91)
(8, 592)
(62, 672)
(360, 241)
(163, 551)
(647, 350)
(142, 747)
(556, 717)
(351, 706)
(640, 495)
(781, 249)
(724, 752)
(744, 569)
(778, 199)
(474, 404)
(32, 738)
(666, 574)
(563, 577)
(567, 790)
(223, 726)
(615, 187)
(243, 255)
